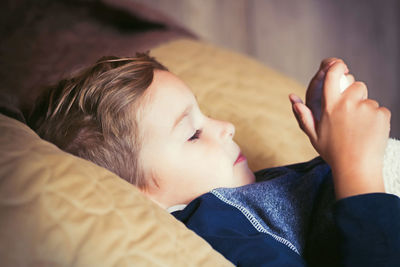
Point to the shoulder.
(228, 231)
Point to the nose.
(227, 129)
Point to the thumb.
(305, 119)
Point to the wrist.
(352, 183)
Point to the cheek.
(156, 160)
(220, 167)
(192, 163)
(201, 162)
(215, 158)
(177, 164)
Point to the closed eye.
(195, 136)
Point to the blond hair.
(93, 114)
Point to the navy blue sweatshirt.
(366, 232)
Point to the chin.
(246, 176)
(250, 178)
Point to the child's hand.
(314, 90)
(351, 135)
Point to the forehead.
(165, 99)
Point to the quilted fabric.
(60, 210)
(236, 88)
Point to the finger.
(357, 91)
(346, 81)
(306, 121)
(314, 90)
(386, 111)
(295, 99)
(325, 65)
(331, 89)
(350, 78)
(320, 75)
(327, 62)
(372, 103)
(387, 116)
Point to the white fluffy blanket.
(391, 167)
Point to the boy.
(120, 115)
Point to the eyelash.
(195, 136)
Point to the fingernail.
(291, 98)
(328, 66)
(296, 99)
(332, 62)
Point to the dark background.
(42, 40)
(293, 36)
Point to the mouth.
(240, 158)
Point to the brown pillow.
(60, 210)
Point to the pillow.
(60, 210)
(236, 88)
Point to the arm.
(369, 227)
(351, 134)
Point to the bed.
(60, 210)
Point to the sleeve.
(369, 228)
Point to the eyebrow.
(184, 114)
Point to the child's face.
(186, 152)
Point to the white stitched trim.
(255, 222)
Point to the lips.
(240, 158)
